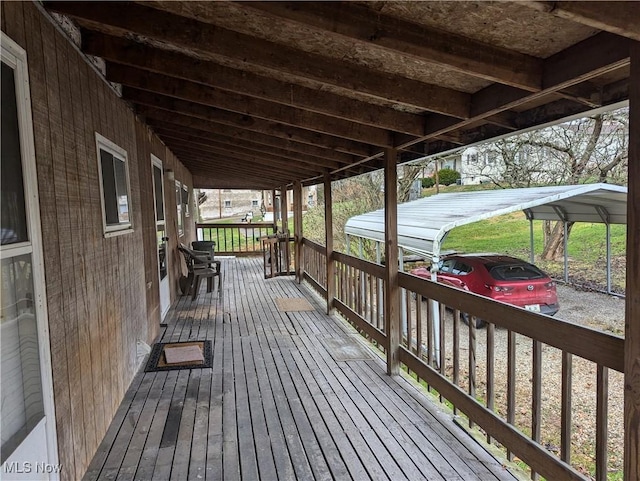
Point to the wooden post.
(328, 226)
(297, 229)
(632, 315)
(392, 291)
(275, 211)
(285, 257)
(283, 208)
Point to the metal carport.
(424, 224)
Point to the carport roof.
(423, 224)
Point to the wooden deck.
(279, 404)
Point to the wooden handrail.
(600, 347)
(313, 245)
(236, 238)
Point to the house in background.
(225, 203)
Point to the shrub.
(428, 182)
(448, 176)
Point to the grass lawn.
(509, 234)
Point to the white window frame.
(186, 206)
(15, 56)
(102, 143)
(227, 204)
(177, 192)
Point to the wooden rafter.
(212, 42)
(196, 98)
(409, 39)
(212, 74)
(623, 20)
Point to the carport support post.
(392, 290)
(566, 254)
(632, 299)
(328, 228)
(532, 256)
(608, 234)
(297, 229)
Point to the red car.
(503, 278)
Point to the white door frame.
(156, 162)
(16, 57)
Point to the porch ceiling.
(261, 94)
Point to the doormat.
(167, 356)
(293, 304)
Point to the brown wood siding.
(94, 284)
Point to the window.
(114, 186)
(227, 204)
(185, 201)
(254, 203)
(179, 208)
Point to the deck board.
(276, 404)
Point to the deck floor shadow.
(277, 403)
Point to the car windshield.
(515, 272)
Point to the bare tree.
(581, 151)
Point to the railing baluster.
(407, 299)
(491, 330)
(456, 351)
(536, 397)
(472, 360)
(565, 411)
(418, 350)
(429, 335)
(602, 425)
(442, 343)
(370, 285)
(511, 382)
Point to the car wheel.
(480, 323)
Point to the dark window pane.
(14, 217)
(157, 180)
(109, 188)
(521, 272)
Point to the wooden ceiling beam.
(214, 163)
(623, 20)
(580, 63)
(167, 111)
(196, 96)
(212, 42)
(181, 66)
(270, 161)
(257, 149)
(369, 27)
(234, 134)
(291, 167)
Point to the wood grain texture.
(632, 303)
(328, 226)
(96, 294)
(277, 405)
(392, 289)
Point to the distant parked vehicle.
(503, 278)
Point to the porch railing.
(235, 239)
(314, 265)
(462, 367)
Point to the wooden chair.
(200, 265)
